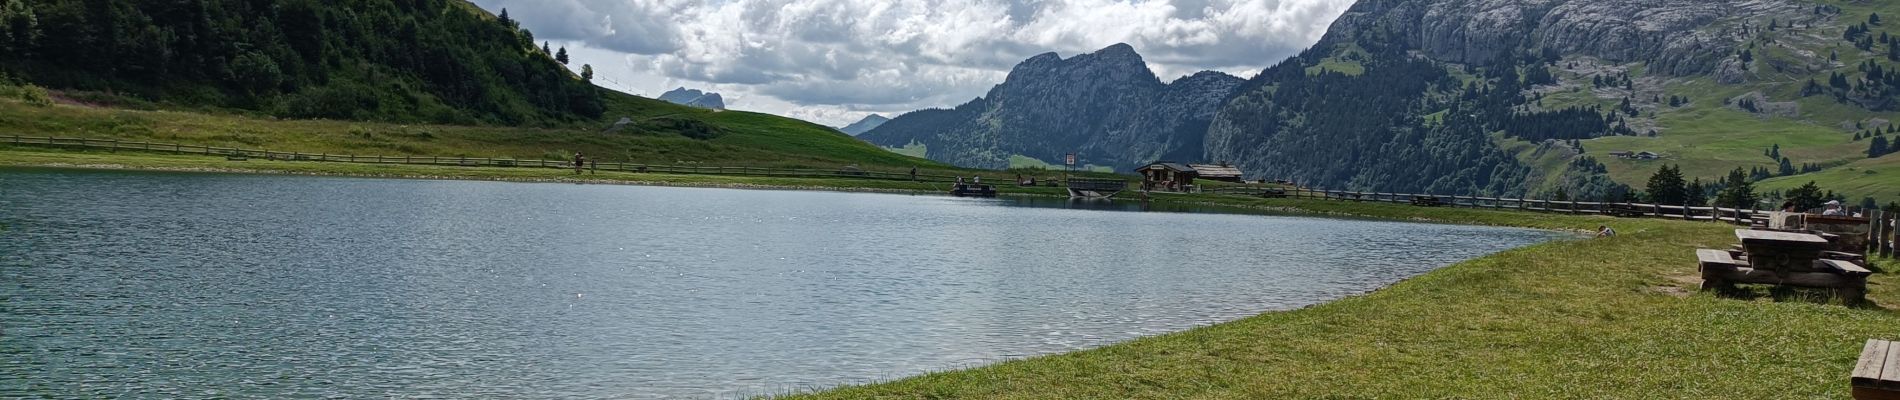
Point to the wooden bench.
(1844, 256)
(1427, 201)
(1721, 271)
(1877, 374)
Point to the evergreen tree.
(587, 72)
(1739, 191)
(1696, 194)
(1787, 168)
(544, 48)
(561, 55)
(19, 27)
(1878, 147)
(1806, 197)
(1666, 187)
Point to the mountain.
(1106, 106)
(864, 125)
(695, 98)
(434, 61)
(1509, 96)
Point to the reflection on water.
(164, 285)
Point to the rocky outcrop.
(864, 125)
(1676, 37)
(1106, 106)
(695, 98)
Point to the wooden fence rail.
(1883, 229)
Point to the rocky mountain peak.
(695, 98)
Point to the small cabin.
(1220, 172)
(1173, 176)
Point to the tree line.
(440, 61)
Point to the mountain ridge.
(1107, 106)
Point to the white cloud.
(833, 61)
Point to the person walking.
(579, 161)
(913, 174)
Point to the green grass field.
(744, 139)
(1587, 318)
(1863, 178)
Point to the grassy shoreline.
(1601, 318)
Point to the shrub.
(36, 96)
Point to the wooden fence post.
(1873, 230)
(1887, 234)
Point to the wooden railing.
(1723, 214)
(236, 153)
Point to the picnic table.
(1782, 258)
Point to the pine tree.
(1806, 197)
(1787, 168)
(1696, 195)
(1873, 19)
(561, 55)
(1666, 187)
(1878, 147)
(587, 72)
(1739, 193)
(505, 20)
(544, 48)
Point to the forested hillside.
(438, 61)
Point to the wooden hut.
(1173, 176)
(1217, 172)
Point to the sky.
(835, 61)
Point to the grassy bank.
(1601, 318)
(43, 157)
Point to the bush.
(36, 96)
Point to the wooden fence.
(1881, 236)
(245, 154)
(1730, 215)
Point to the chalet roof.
(1216, 171)
(1177, 167)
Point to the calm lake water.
(174, 285)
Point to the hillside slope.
(437, 61)
(449, 79)
(1560, 85)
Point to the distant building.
(1220, 172)
(1627, 155)
(1173, 176)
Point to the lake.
(119, 284)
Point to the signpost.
(1068, 163)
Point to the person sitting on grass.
(1604, 231)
